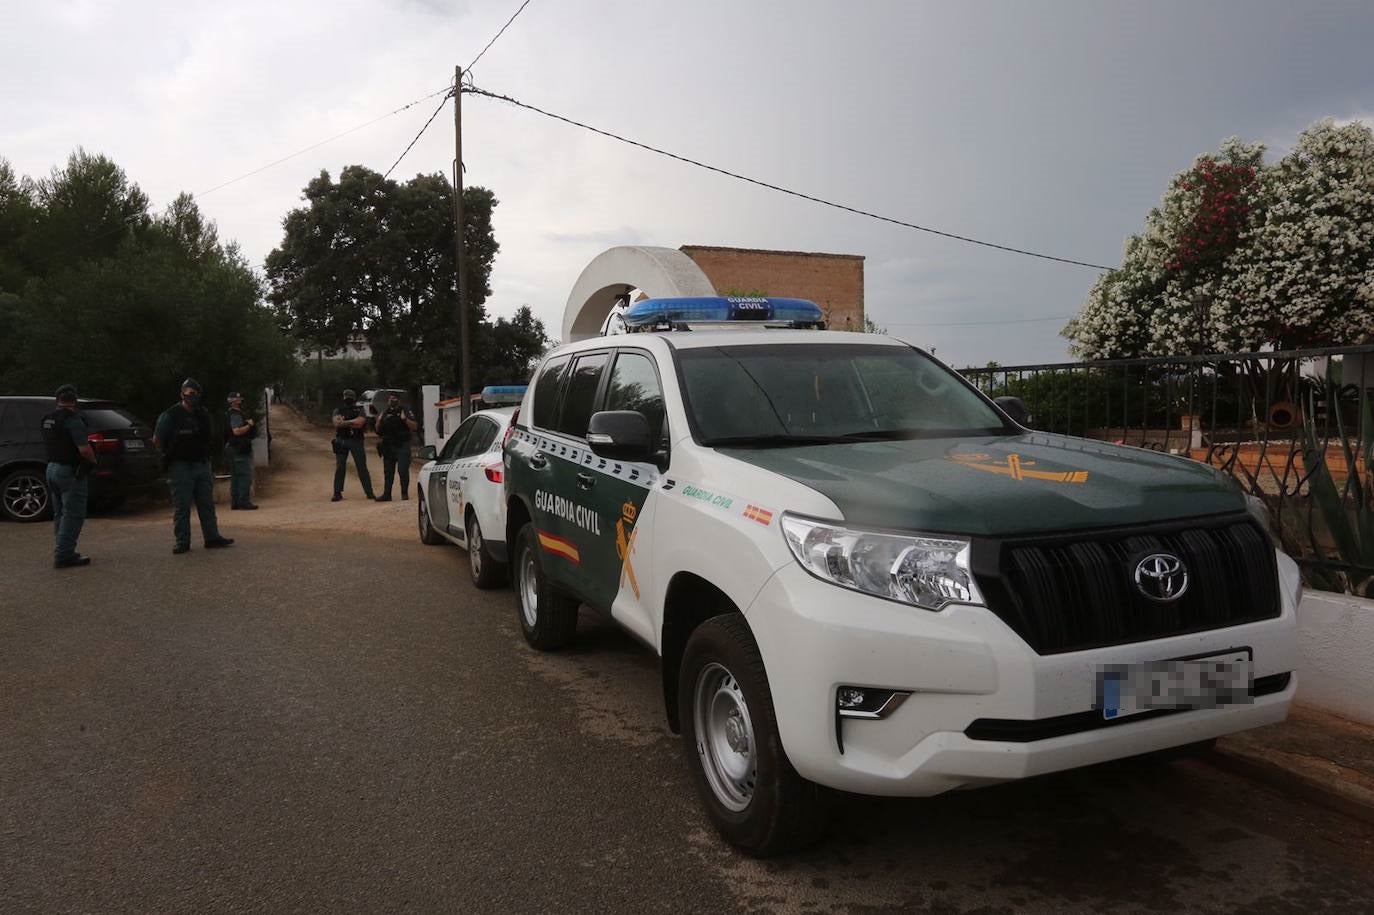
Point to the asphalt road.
(332, 722)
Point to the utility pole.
(463, 349)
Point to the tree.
(1240, 255)
(146, 301)
(368, 255)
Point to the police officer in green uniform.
(350, 425)
(183, 435)
(395, 426)
(70, 459)
(238, 454)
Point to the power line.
(773, 187)
(970, 323)
(417, 137)
(307, 149)
(497, 35)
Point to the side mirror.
(428, 453)
(1014, 407)
(620, 435)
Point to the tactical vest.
(190, 438)
(393, 428)
(61, 448)
(241, 444)
(346, 412)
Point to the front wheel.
(487, 572)
(548, 618)
(24, 495)
(428, 534)
(754, 797)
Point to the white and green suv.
(861, 574)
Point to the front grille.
(1074, 593)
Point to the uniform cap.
(66, 392)
(193, 384)
(234, 395)
(348, 392)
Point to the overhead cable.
(444, 91)
(498, 34)
(774, 187)
(411, 144)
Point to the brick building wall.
(833, 281)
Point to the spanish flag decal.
(560, 546)
(761, 515)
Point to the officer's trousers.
(353, 446)
(395, 461)
(191, 481)
(240, 477)
(68, 494)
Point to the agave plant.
(1348, 512)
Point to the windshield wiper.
(771, 441)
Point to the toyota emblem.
(1161, 577)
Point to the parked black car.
(126, 461)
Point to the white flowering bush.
(1279, 255)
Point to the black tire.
(487, 571)
(547, 617)
(428, 534)
(24, 495)
(770, 809)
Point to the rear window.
(104, 419)
(546, 393)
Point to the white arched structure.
(657, 272)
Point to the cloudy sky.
(1045, 125)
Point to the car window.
(634, 385)
(578, 400)
(104, 419)
(453, 447)
(483, 434)
(546, 393)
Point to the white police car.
(461, 499)
(861, 574)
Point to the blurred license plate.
(1193, 683)
(133, 444)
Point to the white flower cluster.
(1298, 272)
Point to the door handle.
(538, 461)
(463, 477)
(585, 480)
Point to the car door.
(466, 463)
(569, 525)
(617, 565)
(436, 493)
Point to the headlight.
(927, 572)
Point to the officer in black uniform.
(70, 459)
(183, 435)
(395, 426)
(238, 454)
(350, 425)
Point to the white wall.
(1336, 654)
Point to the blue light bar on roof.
(503, 393)
(721, 310)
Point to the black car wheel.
(547, 617)
(24, 495)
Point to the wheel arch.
(689, 601)
(518, 514)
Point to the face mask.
(193, 398)
(348, 401)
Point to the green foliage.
(1349, 513)
(371, 256)
(123, 303)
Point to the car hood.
(1001, 486)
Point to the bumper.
(964, 665)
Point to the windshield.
(795, 394)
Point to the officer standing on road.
(183, 435)
(395, 426)
(70, 459)
(350, 425)
(238, 453)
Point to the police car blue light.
(671, 312)
(503, 394)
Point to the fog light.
(849, 697)
(864, 702)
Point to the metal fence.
(1293, 428)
